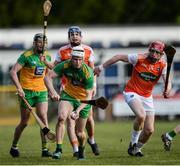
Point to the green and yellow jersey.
(78, 80)
(33, 71)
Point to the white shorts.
(147, 102)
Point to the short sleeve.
(132, 58)
(22, 60)
(48, 57)
(58, 69)
(92, 58)
(58, 57)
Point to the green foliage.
(112, 138)
(16, 13)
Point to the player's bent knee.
(141, 117)
(61, 120)
(80, 134)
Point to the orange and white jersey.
(144, 75)
(64, 53)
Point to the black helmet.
(74, 29)
(39, 36)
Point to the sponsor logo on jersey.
(39, 70)
(148, 76)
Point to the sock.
(135, 136)
(44, 146)
(75, 148)
(75, 145)
(91, 140)
(172, 134)
(59, 148)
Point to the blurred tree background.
(20, 13)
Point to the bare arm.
(50, 65)
(48, 79)
(17, 67)
(114, 59)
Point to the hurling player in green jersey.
(64, 53)
(30, 85)
(79, 86)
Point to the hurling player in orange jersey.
(64, 53)
(147, 70)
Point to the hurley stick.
(170, 52)
(46, 9)
(100, 102)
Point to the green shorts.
(34, 97)
(84, 113)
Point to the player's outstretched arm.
(113, 60)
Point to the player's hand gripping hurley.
(170, 52)
(100, 102)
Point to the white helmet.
(77, 51)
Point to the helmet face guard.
(77, 51)
(158, 46)
(40, 43)
(39, 36)
(156, 50)
(77, 55)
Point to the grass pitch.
(112, 137)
